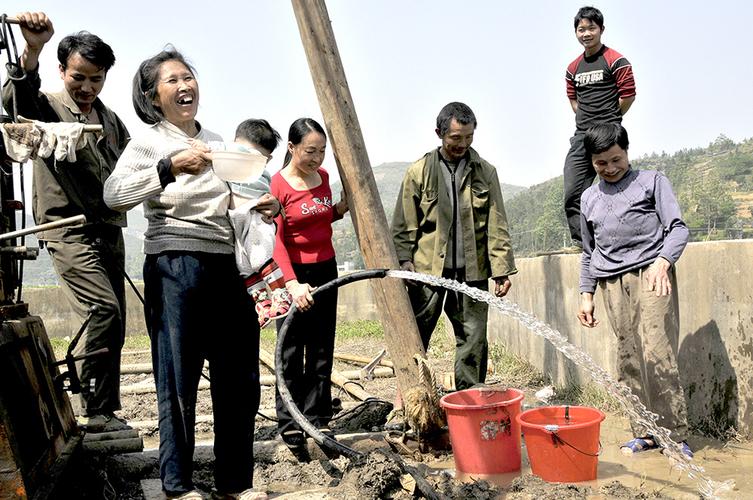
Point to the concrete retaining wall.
(716, 319)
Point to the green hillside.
(714, 186)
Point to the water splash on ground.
(630, 402)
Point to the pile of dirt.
(530, 487)
(371, 476)
(303, 475)
(446, 485)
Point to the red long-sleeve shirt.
(304, 234)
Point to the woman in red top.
(306, 256)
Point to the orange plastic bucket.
(562, 442)
(484, 432)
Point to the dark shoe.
(329, 450)
(295, 440)
(103, 423)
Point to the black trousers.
(579, 174)
(468, 318)
(308, 350)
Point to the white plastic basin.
(237, 166)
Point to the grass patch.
(345, 331)
(360, 329)
(59, 346)
(132, 343)
(590, 394)
(442, 342)
(137, 343)
(513, 370)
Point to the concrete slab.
(152, 489)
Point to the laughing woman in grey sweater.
(196, 307)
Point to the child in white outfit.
(255, 236)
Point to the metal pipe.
(22, 252)
(68, 221)
(87, 128)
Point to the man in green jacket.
(450, 221)
(88, 258)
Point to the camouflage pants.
(648, 330)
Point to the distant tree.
(551, 226)
(721, 144)
(708, 207)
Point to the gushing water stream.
(630, 402)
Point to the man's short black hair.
(91, 47)
(592, 14)
(260, 132)
(461, 112)
(603, 136)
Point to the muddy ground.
(377, 475)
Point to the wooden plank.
(352, 389)
(363, 360)
(150, 425)
(62, 403)
(374, 237)
(266, 380)
(58, 470)
(109, 436)
(36, 418)
(114, 446)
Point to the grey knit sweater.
(627, 225)
(189, 214)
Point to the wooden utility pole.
(374, 237)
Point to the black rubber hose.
(322, 439)
(285, 395)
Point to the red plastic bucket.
(484, 432)
(562, 442)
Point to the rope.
(7, 34)
(557, 440)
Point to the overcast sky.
(405, 59)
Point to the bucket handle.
(557, 440)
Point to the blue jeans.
(197, 308)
